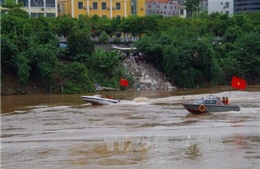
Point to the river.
(150, 132)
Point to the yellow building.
(102, 8)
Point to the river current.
(147, 129)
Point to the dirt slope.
(147, 77)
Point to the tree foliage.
(191, 52)
(18, 13)
(208, 52)
(103, 38)
(79, 45)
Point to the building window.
(95, 5)
(133, 7)
(227, 4)
(227, 12)
(154, 4)
(50, 15)
(35, 3)
(221, 3)
(25, 3)
(50, 3)
(34, 15)
(40, 15)
(80, 5)
(118, 6)
(104, 16)
(211, 102)
(104, 5)
(181, 11)
(118, 17)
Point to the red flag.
(124, 82)
(238, 83)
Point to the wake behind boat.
(210, 104)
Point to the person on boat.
(109, 96)
(224, 100)
(227, 101)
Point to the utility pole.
(197, 9)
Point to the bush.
(71, 78)
(103, 38)
(117, 40)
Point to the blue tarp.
(63, 45)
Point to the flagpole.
(230, 88)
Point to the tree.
(223, 23)
(232, 33)
(80, 44)
(64, 25)
(130, 25)
(9, 51)
(102, 25)
(248, 54)
(45, 37)
(167, 22)
(106, 68)
(114, 26)
(23, 72)
(9, 4)
(19, 13)
(71, 77)
(103, 38)
(41, 59)
(190, 6)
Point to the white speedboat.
(99, 100)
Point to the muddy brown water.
(63, 132)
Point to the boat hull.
(194, 108)
(95, 100)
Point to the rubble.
(146, 76)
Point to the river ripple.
(133, 134)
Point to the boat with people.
(99, 99)
(211, 103)
(102, 98)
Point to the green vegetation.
(188, 51)
(30, 51)
(206, 51)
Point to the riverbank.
(10, 86)
(146, 76)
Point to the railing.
(127, 39)
(111, 39)
(122, 39)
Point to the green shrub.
(117, 40)
(103, 38)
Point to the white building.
(37, 8)
(221, 6)
(165, 8)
